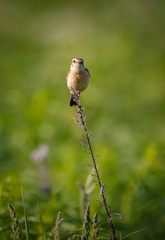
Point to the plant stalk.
(102, 191)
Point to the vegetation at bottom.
(122, 44)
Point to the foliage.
(122, 44)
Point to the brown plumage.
(77, 79)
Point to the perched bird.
(77, 78)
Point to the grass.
(122, 44)
(25, 216)
(41, 223)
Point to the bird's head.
(77, 64)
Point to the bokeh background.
(123, 46)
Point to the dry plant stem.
(104, 202)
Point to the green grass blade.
(41, 222)
(128, 235)
(26, 221)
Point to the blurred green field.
(123, 46)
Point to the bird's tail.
(73, 100)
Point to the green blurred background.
(123, 46)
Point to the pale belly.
(78, 81)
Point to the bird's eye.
(73, 61)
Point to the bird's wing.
(67, 74)
(87, 71)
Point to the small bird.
(77, 78)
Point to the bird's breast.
(78, 80)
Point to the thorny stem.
(102, 187)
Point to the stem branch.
(101, 186)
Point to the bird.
(77, 79)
